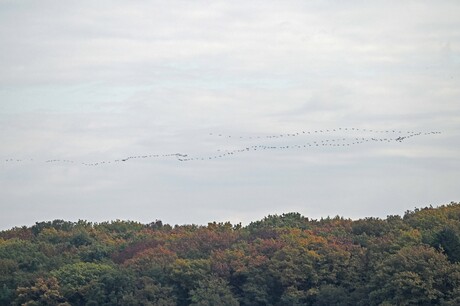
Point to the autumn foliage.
(284, 259)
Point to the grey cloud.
(102, 80)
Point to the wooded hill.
(284, 259)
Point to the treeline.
(284, 259)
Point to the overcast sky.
(93, 81)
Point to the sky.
(135, 83)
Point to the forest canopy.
(286, 259)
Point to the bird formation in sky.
(346, 139)
(313, 132)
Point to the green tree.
(416, 275)
(78, 279)
(148, 292)
(448, 241)
(6, 295)
(42, 292)
(26, 255)
(295, 297)
(213, 291)
(186, 275)
(330, 295)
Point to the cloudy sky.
(83, 82)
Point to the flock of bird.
(312, 132)
(342, 142)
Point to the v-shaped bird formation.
(340, 138)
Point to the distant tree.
(330, 295)
(59, 225)
(295, 297)
(158, 225)
(76, 280)
(371, 227)
(26, 255)
(280, 260)
(186, 275)
(415, 276)
(154, 262)
(448, 241)
(6, 295)
(42, 292)
(289, 220)
(213, 291)
(149, 292)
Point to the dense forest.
(283, 259)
